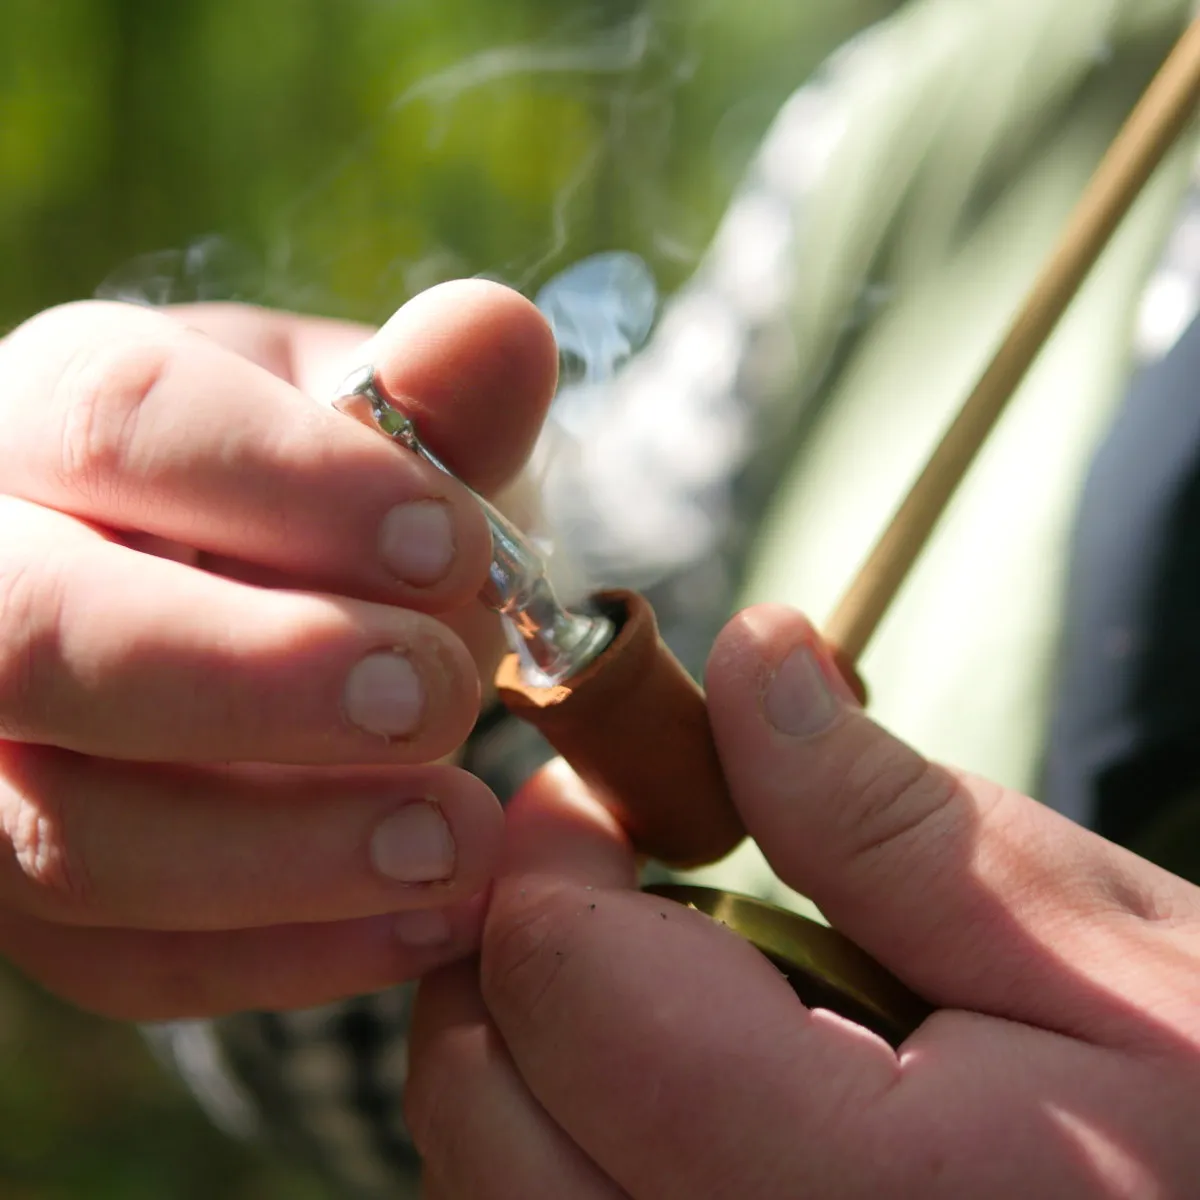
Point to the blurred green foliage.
(336, 156)
(348, 154)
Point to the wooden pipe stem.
(1154, 126)
(635, 726)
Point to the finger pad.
(476, 365)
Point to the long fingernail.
(414, 845)
(424, 927)
(416, 542)
(799, 701)
(384, 695)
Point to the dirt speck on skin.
(591, 908)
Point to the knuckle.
(31, 598)
(526, 945)
(43, 333)
(35, 820)
(100, 397)
(895, 802)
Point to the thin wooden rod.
(1157, 122)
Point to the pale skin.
(609, 1045)
(194, 772)
(238, 641)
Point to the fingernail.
(414, 845)
(425, 927)
(384, 695)
(416, 542)
(799, 701)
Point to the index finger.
(126, 417)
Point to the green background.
(343, 155)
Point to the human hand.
(237, 630)
(612, 1044)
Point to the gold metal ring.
(825, 969)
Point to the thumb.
(977, 897)
(483, 416)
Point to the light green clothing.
(944, 181)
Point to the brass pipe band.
(824, 968)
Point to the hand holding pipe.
(614, 702)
